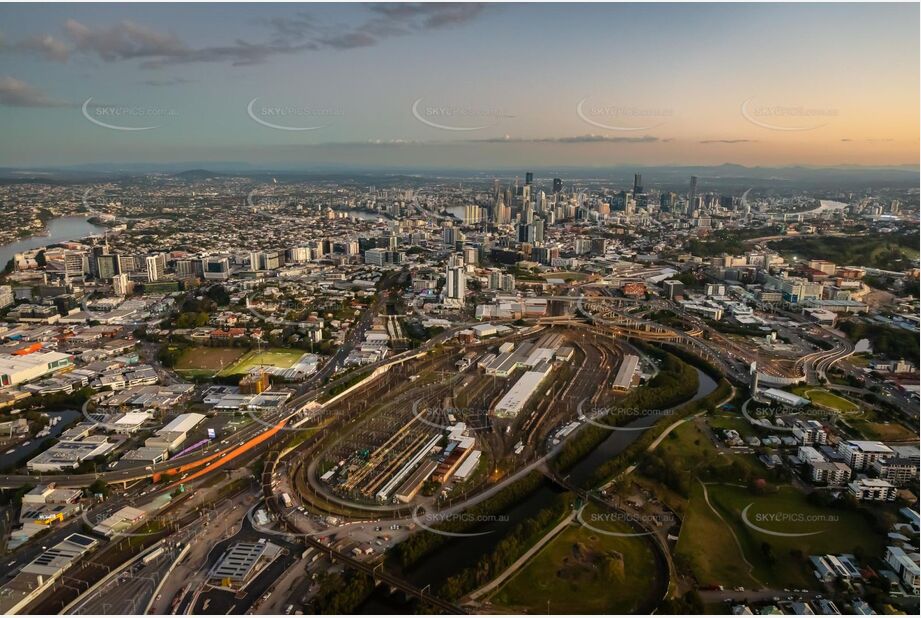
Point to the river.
(57, 230)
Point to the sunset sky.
(460, 85)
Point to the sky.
(460, 85)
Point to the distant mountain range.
(727, 176)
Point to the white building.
(860, 454)
(872, 490)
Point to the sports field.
(824, 398)
(582, 571)
(204, 361)
(274, 357)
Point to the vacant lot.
(274, 357)
(582, 571)
(205, 361)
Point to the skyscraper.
(528, 178)
(692, 193)
(637, 184)
(557, 185)
(456, 284)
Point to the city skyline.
(460, 86)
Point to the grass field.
(276, 357)
(584, 572)
(708, 546)
(824, 398)
(202, 361)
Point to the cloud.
(127, 40)
(575, 139)
(171, 81)
(727, 141)
(45, 46)
(17, 93)
(430, 15)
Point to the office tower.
(216, 268)
(673, 288)
(449, 235)
(668, 201)
(692, 193)
(637, 184)
(557, 185)
(525, 233)
(455, 260)
(106, 266)
(471, 255)
(256, 260)
(538, 226)
(528, 178)
(127, 264)
(155, 267)
(377, 257)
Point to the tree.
(98, 487)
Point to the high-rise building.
(216, 268)
(156, 267)
(528, 178)
(121, 284)
(106, 266)
(471, 214)
(673, 288)
(456, 284)
(637, 184)
(692, 193)
(557, 185)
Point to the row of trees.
(513, 545)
